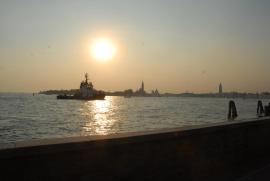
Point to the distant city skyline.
(174, 46)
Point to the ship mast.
(86, 77)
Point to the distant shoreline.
(264, 95)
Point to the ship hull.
(96, 97)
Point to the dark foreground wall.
(223, 151)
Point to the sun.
(102, 49)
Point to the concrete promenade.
(232, 150)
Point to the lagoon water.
(26, 117)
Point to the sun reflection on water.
(98, 115)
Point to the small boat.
(86, 92)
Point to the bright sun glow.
(102, 49)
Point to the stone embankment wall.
(222, 151)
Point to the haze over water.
(173, 45)
(26, 117)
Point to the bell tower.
(220, 91)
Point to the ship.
(86, 92)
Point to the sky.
(173, 45)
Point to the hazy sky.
(173, 45)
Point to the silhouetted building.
(155, 93)
(141, 91)
(220, 91)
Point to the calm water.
(25, 117)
